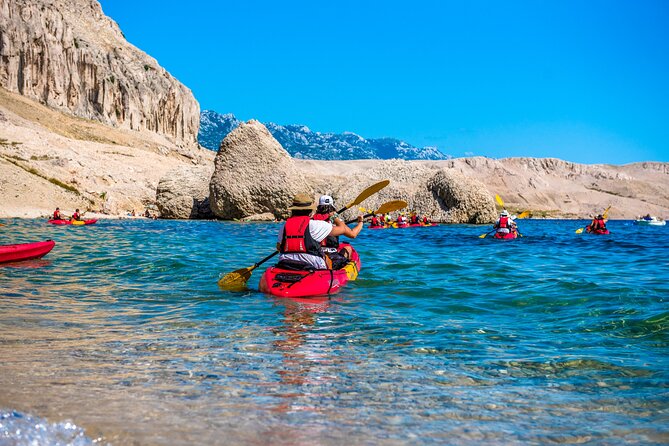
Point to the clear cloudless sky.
(585, 81)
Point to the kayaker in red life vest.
(426, 221)
(57, 215)
(414, 219)
(505, 223)
(598, 223)
(300, 237)
(330, 246)
(76, 216)
(375, 223)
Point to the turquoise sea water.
(121, 335)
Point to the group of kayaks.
(403, 225)
(30, 251)
(73, 222)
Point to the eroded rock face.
(184, 193)
(253, 175)
(461, 199)
(68, 55)
(441, 194)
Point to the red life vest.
(75, 216)
(297, 238)
(375, 221)
(503, 222)
(425, 220)
(56, 215)
(414, 219)
(329, 241)
(598, 224)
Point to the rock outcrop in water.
(184, 193)
(68, 55)
(255, 175)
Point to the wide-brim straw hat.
(302, 202)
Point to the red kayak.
(507, 236)
(73, 222)
(282, 282)
(25, 251)
(597, 231)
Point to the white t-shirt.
(319, 230)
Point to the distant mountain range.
(301, 142)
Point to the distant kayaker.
(598, 224)
(330, 245)
(300, 237)
(426, 221)
(57, 215)
(76, 216)
(505, 223)
(414, 219)
(375, 222)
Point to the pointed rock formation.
(253, 175)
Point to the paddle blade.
(580, 230)
(371, 190)
(391, 206)
(499, 201)
(483, 235)
(236, 280)
(524, 214)
(606, 212)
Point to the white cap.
(504, 213)
(326, 200)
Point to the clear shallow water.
(120, 335)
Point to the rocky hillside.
(302, 143)
(69, 56)
(49, 158)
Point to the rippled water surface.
(120, 335)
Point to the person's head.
(504, 213)
(325, 205)
(58, 209)
(77, 210)
(303, 204)
(600, 217)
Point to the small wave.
(24, 429)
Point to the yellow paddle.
(499, 201)
(236, 280)
(524, 214)
(605, 215)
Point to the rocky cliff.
(68, 55)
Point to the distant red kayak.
(507, 236)
(25, 251)
(597, 231)
(75, 222)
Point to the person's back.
(57, 215)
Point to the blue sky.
(585, 81)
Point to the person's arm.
(340, 228)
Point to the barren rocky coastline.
(89, 121)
